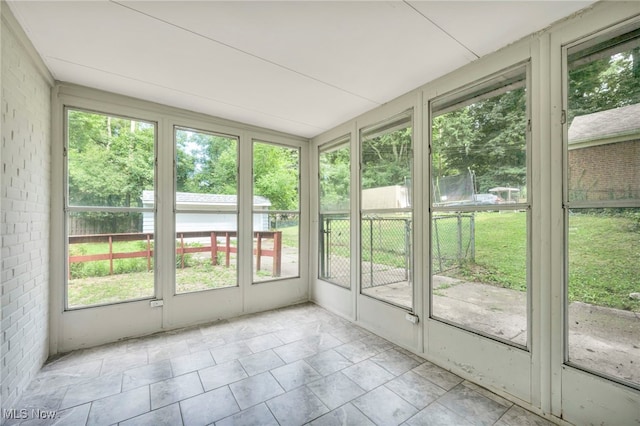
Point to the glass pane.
(110, 160)
(206, 186)
(206, 259)
(335, 249)
(479, 149)
(335, 238)
(386, 258)
(276, 177)
(387, 157)
(335, 179)
(276, 242)
(603, 110)
(604, 291)
(110, 258)
(479, 267)
(604, 125)
(206, 173)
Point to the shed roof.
(610, 123)
(211, 199)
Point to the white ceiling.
(296, 66)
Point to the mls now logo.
(15, 414)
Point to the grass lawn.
(137, 285)
(500, 250)
(290, 236)
(604, 253)
(604, 267)
(101, 268)
(110, 289)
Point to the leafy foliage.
(605, 83)
(206, 163)
(486, 138)
(276, 175)
(387, 159)
(335, 179)
(111, 160)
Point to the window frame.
(481, 89)
(368, 132)
(298, 212)
(338, 143)
(623, 32)
(176, 209)
(68, 209)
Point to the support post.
(110, 255)
(182, 251)
(148, 252)
(228, 248)
(258, 250)
(277, 253)
(214, 249)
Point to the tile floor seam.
(503, 414)
(362, 412)
(149, 394)
(181, 415)
(235, 399)
(403, 398)
(204, 389)
(279, 357)
(272, 413)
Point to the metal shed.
(194, 205)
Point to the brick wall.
(25, 194)
(605, 172)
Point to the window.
(110, 166)
(335, 222)
(386, 245)
(206, 218)
(480, 208)
(602, 205)
(276, 211)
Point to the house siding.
(605, 172)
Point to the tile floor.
(291, 366)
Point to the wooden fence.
(214, 247)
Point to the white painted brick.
(24, 188)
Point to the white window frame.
(458, 98)
(177, 210)
(68, 209)
(298, 212)
(386, 125)
(335, 144)
(567, 204)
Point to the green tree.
(609, 82)
(110, 160)
(206, 163)
(276, 175)
(335, 179)
(387, 159)
(487, 138)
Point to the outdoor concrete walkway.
(600, 339)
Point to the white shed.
(197, 204)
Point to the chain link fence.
(335, 249)
(452, 240)
(386, 251)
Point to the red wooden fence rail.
(214, 248)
